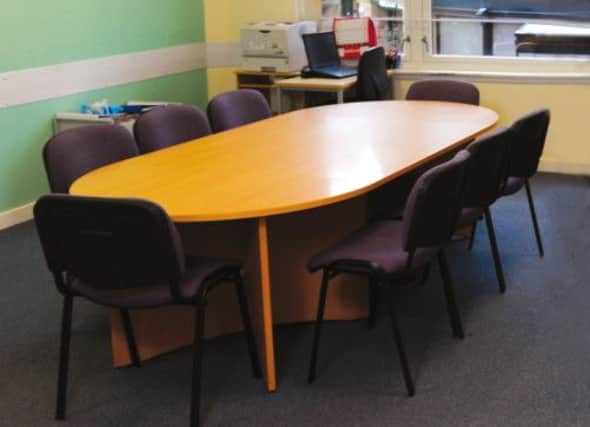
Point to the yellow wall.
(224, 18)
(567, 149)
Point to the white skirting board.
(16, 216)
(565, 167)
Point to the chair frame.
(536, 227)
(159, 225)
(377, 280)
(414, 238)
(198, 340)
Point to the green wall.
(26, 128)
(37, 33)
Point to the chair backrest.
(444, 90)
(169, 125)
(526, 147)
(237, 108)
(433, 206)
(372, 81)
(109, 244)
(487, 170)
(75, 152)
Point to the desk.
(263, 81)
(274, 192)
(318, 84)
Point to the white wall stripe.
(224, 55)
(54, 81)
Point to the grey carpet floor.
(525, 360)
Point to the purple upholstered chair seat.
(237, 108)
(379, 244)
(444, 90)
(198, 270)
(127, 253)
(513, 185)
(75, 152)
(169, 125)
(468, 217)
(391, 252)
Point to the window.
(511, 28)
(387, 16)
(481, 36)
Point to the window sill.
(495, 76)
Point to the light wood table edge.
(335, 199)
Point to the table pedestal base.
(279, 287)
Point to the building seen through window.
(511, 28)
(489, 28)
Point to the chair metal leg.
(452, 306)
(426, 273)
(250, 341)
(197, 363)
(64, 357)
(130, 336)
(495, 250)
(534, 217)
(397, 337)
(373, 299)
(318, 326)
(472, 237)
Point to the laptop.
(323, 58)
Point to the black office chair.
(127, 254)
(484, 180)
(389, 252)
(525, 151)
(373, 84)
(75, 152)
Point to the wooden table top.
(320, 83)
(291, 162)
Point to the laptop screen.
(321, 50)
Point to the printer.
(275, 46)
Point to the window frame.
(419, 27)
(418, 56)
(407, 54)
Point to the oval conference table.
(273, 193)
